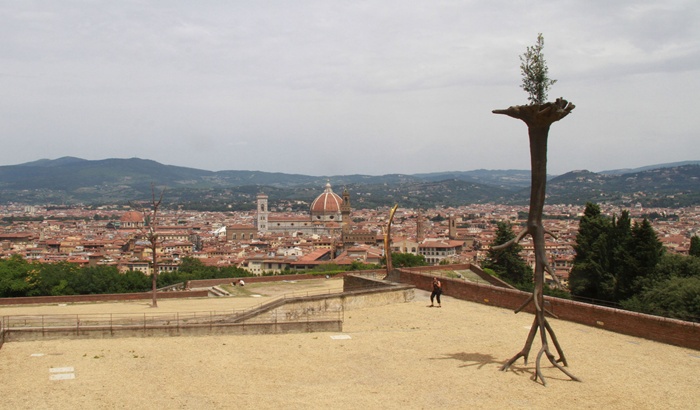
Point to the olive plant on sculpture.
(538, 117)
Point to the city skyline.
(328, 88)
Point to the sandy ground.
(403, 356)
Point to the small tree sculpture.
(151, 216)
(387, 241)
(153, 239)
(538, 116)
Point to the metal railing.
(115, 322)
(2, 334)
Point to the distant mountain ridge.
(648, 167)
(71, 180)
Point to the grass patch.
(274, 288)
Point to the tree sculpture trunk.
(152, 237)
(387, 241)
(538, 119)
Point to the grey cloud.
(342, 83)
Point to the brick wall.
(660, 329)
(100, 298)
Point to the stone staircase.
(218, 291)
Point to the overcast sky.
(346, 87)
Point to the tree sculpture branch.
(538, 118)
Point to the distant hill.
(648, 167)
(70, 180)
(507, 179)
(659, 187)
(54, 162)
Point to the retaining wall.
(358, 292)
(314, 313)
(105, 332)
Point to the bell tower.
(345, 210)
(262, 212)
(420, 227)
(452, 232)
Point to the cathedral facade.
(327, 215)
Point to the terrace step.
(218, 292)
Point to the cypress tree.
(694, 246)
(507, 262)
(645, 252)
(591, 276)
(618, 242)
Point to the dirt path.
(397, 356)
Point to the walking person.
(437, 291)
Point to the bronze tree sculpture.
(538, 117)
(151, 216)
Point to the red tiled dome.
(327, 203)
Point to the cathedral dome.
(132, 219)
(132, 216)
(327, 206)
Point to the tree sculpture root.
(538, 118)
(541, 324)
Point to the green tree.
(507, 262)
(135, 281)
(193, 268)
(619, 237)
(677, 297)
(357, 265)
(233, 272)
(54, 279)
(694, 246)
(407, 260)
(672, 264)
(645, 252)
(536, 81)
(674, 290)
(98, 279)
(590, 275)
(15, 277)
